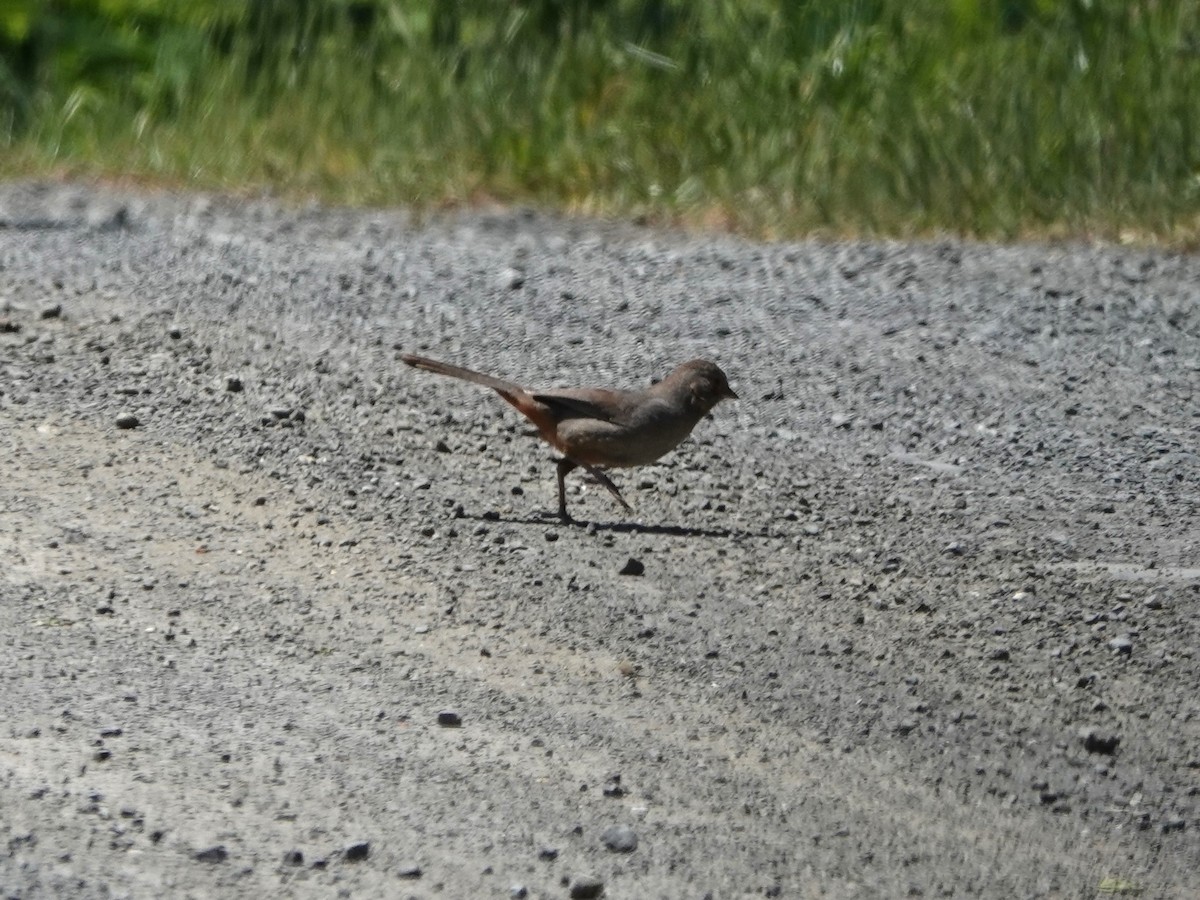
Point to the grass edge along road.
(1053, 119)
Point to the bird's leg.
(607, 482)
(564, 467)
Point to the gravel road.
(918, 616)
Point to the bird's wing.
(589, 403)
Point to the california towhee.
(598, 428)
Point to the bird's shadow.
(617, 527)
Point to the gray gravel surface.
(915, 617)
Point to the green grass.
(776, 117)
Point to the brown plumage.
(599, 428)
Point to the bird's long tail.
(505, 388)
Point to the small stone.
(548, 853)
(1099, 742)
(293, 858)
(217, 854)
(620, 839)
(1170, 825)
(52, 312)
(1122, 645)
(127, 420)
(448, 718)
(518, 892)
(586, 887)
(441, 447)
(632, 567)
(510, 279)
(1000, 654)
(175, 333)
(954, 548)
(357, 851)
(8, 326)
(613, 789)
(279, 413)
(409, 871)
(234, 385)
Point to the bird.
(601, 428)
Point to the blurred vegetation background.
(992, 118)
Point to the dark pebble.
(1170, 825)
(586, 887)
(632, 567)
(174, 333)
(409, 871)
(234, 385)
(293, 858)
(1001, 654)
(217, 854)
(620, 838)
(518, 892)
(448, 718)
(548, 853)
(1099, 742)
(52, 312)
(127, 420)
(359, 850)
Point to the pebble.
(1099, 742)
(234, 385)
(1121, 645)
(586, 887)
(448, 718)
(518, 892)
(409, 871)
(510, 279)
(293, 858)
(127, 420)
(52, 312)
(632, 567)
(356, 851)
(217, 854)
(548, 853)
(620, 838)
(613, 788)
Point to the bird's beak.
(729, 394)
